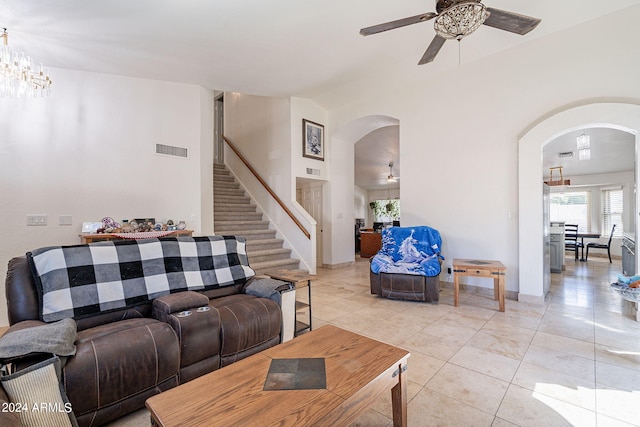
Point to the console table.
(100, 237)
(480, 268)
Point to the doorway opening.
(531, 241)
(309, 195)
(218, 128)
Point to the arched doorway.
(341, 188)
(622, 116)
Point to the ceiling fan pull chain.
(459, 49)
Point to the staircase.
(235, 215)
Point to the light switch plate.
(36, 219)
(65, 220)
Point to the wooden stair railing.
(266, 186)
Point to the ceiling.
(282, 48)
(612, 150)
(272, 48)
(372, 156)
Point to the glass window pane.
(572, 207)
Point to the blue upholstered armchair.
(408, 264)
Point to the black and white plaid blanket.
(82, 280)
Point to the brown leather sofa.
(125, 356)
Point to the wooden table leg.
(498, 286)
(456, 288)
(399, 399)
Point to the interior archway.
(622, 116)
(341, 194)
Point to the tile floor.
(574, 361)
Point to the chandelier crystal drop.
(584, 146)
(583, 141)
(460, 20)
(18, 76)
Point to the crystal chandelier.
(18, 75)
(460, 20)
(584, 147)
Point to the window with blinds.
(612, 207)
(572, 207)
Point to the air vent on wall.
(311, 171)
(169, 150)
(566, 154)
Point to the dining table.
(583, 236)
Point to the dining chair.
(594, 245)
(571, 239)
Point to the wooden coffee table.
(358, 371)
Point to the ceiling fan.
(390, 177)
(456, 19)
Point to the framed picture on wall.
(312, 140)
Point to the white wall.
(459, 132)
(88, 150)
(206, 161)
(361, 207)
(261, 129)
(306, 109)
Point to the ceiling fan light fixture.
(390, 177)
(460, 20)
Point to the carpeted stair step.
(263, 245)
(232, 200)
(252, 234)
(233, 207)
(238, 216)
(287, 264)
(268, 255)
(223, 185)
(221, 173)
(229, 192)
(228, 226)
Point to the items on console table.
(100, 237)
(480, 268)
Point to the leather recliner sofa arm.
(166, 305)
(197, 326)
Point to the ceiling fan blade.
(397, 23)
(432, 50)
(510, 21)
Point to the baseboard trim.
(530, 299)
(336, 266)
(512, 295)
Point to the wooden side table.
(299, 279)
(480, 268)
